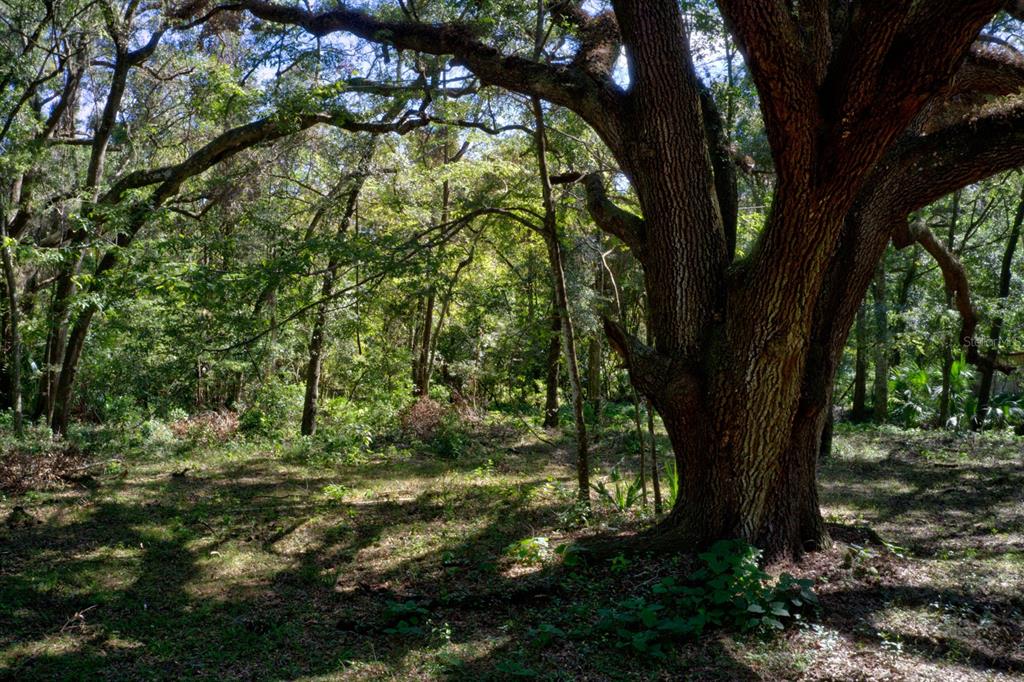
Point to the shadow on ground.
(254, 570)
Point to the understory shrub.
(442, 428)
(451, 439)
(730, 591)
(272, 409)
(622, 494)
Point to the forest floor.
(237, 560)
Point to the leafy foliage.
(622, 495)
(729, 591)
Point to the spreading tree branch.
(922, 169)
(649, 371)
(566, 85)
(885, 81)
(955, 276)
(613, 219)
(599, 38)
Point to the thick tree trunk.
(767, 496)
(1005, 278)
(745, 352)
(747, 425)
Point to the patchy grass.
(239, 561)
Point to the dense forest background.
(416, 263)
(231, 242)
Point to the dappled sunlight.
(241, 562)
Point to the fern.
(672, 480)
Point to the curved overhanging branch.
(170, 178)
(955, 276)
(923, 169)
(649, 370)
(242, 137)
(613, 219)
(989, 71)
(596, 100)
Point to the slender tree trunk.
(317, 338)
(826, 436)
(56, 337)
(69, 368)
(310, 404)
(414, 343)
(947, 346)
(1005, 279)
(14, 362)
(594, 382)
(422, 387)
(881, 392)
(942, 419)
(651, 435)
(902, 301)
(655, 481)
(446, 303)
(620, 311)
(5, 355)
(551, 365)
(558, 280)
(860, 371)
